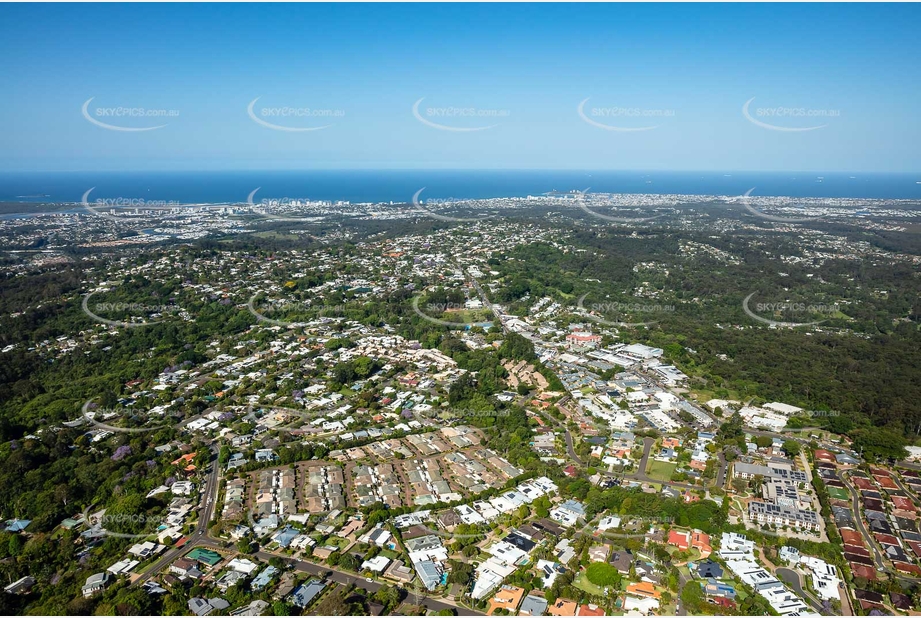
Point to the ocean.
(398, 186)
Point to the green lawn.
(837, 493)
(581, 582)
(466, 316)
(338, 541)
(143, 568)
(661, 470)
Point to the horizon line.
(458, 169)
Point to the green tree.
(791, 448)
(602, 574)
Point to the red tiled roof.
(886, 539)
(864, 571)
(904, 567)
(915, 547)
(700, 540)
(886, 482)
(859, 550)
(851, 537)
(678, 539)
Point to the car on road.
(369, 579)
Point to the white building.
(641, 351)
(376, 564)
(182, 488)
(242, 565)
(783, 408)
(825, 580)
(734, 546)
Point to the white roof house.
(376, 564)
(243, 565)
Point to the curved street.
(855, 506)
(795, 581)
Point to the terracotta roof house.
(507, 598)
(863, 570)
(687, 539)
(562, 607)
(679, 539)
(851, 537)
(644, 589)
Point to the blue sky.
(521, 70)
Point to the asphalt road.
(795, 581)
(855, 505)
(205, 512)
(721, 475)
(570, 447)
(640, 473)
